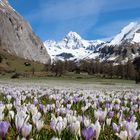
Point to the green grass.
(74, 79)
(17, 64)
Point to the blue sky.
(92, 19)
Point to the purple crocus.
(35, 101)
(97, 104)
(133, 134)
(128, 119)
(41, 106)
(116, 128)
(117, 107)
(107, 105)
(111, 114)
(26, 129)
(88, 133)
(75, 99)
(139, 103)
(4, 125)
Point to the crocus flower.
(41, 107)
(9, 106)
(139, 103)
(117, 107)
(1, 116)
(133, 134)
(108, 121)
(116, 128)
(107, 105)
(9, 98)
(123, 135)
(59, 127)
(100, 115)
(88, 133)
(20, 118)
(35, 101)
(98, 129)
(55, 138)
(26, 129)
(11, 114)
(2, 107)
(3, 129)
(39, 125)
(111, 114)
(75, 100)
(75, 128)
(86, 122)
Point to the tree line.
(129, 70)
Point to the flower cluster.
(39, 113)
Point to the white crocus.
(39, 124)
(98, 129)
(108, 121)
(100, 115)
(87, 122)
(55, 138)
(20, 118)
(75, 128)
(33, 109)
(2, 107)
(9, 106)
(1, 116)
(36, 117)
(9, 98)
(123, 135)
(59, 126)
(11, 114)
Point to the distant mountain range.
(17, 38)
(124, 46)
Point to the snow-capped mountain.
(72, 47)
(130, 33)
(125, 45)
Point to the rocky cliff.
(17, 37)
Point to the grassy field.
(13, 63)
(70, 80)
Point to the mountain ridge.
(80, 48)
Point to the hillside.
(17, 37)
(11, 63)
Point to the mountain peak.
(73, 35)
(129, 27)
(127, 33)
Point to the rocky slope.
(17, 37)
(124, 46)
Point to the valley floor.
(69, 108)
(72, 83)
